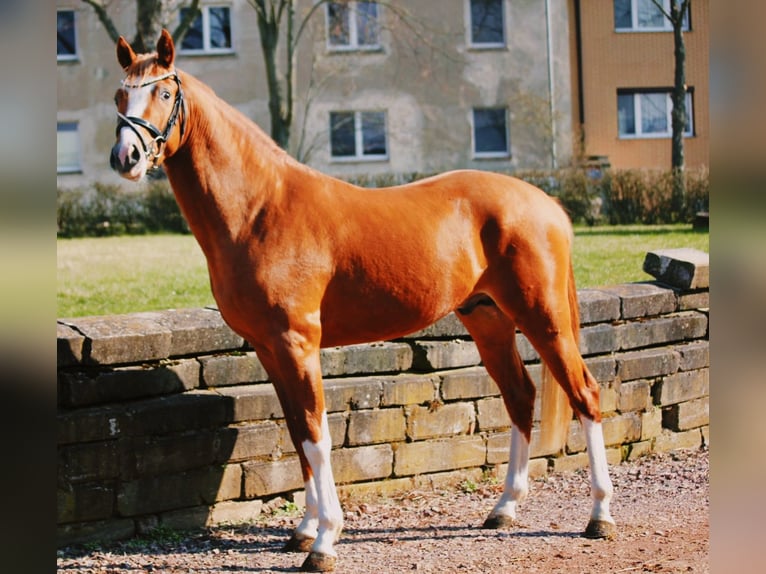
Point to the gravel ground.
(660, 505)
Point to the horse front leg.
(295, 369)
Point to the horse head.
(149, 96)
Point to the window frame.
(474, 140)
(634, 24)
(207, 49)
(75, 56)
(353, 30)
(359, 155)
(469, 28)
(637, 114)
(71, 126)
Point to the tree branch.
(103, 16)
(186, 21)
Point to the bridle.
(153, 150)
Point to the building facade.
(380, 87)
(623, 73)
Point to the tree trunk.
(280, 121)
(678, 114)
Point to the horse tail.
(555, 409)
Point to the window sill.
(488, 47)
(359, 159)
(355, 49)
(491, 155)
(68, 59)
(206, 53)
(68, 170)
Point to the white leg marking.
(309, 526)
(601, 485)
(516, 481)
(330, 515)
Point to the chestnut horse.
(299, 260)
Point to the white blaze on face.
(138, 102)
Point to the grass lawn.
(111, 275)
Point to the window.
(66, 48)
(487, 23)
(210, 33)
(358, 135)
(353, 26)
(647, 114)
(490, 132)
(67, 148)
(644, 16)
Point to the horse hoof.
(298, 544)
(318, 562)
(600, 529)
(498, 522)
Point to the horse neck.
(226, 171)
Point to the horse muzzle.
(128, 160)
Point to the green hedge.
(608, 197)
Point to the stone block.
(634, 396)
(683, 386)
(251, 402)
(186, 518)
(120, 339)
(376, 426)
(267, 478)
(126, 383)
(469, 383)
(638, 449)
(192, 410)
(647, 363)
(669, 440)
(362, 463)
(651, 424)
(498, 447)
(597, 339)
(687, 415)
(252, 440)
(526, 351)
(234, 512)
(198, 331)
(352, 393)
(406, 389)
(598, 306)
(144, 456)
(90, 424)
(661, 330)
(366, 359)
(436, 355)
(694, 355)
(92, 461)
(643, 299)
(492, 414)
(83, 502)
(69, 345)
(440, 420)
(95, 531)
(621, 429)
(694, 300)
(575, 438)
(604, 369)
(684, 268)
(447, 327)
(164, 492)
(225, 370)
(439, 455)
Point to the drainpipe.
(552, 105)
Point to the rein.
(154, 149)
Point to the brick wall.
(168, 417)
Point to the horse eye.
(165, 95)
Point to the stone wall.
(168, 418)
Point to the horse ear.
(125, 54)
(166, 51)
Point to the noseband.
(153, 150)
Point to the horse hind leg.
(495, 337)
(550, 321)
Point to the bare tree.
(679, 119)
(151, 17)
